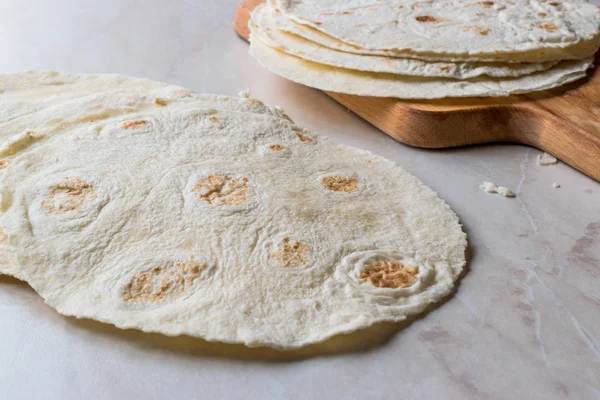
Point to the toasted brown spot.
(338, 183)
(389, 274)
(256, 102)
(276, 147)
(548, 27)
(293, 254)
(223, 190)
(304, 138)
(428, 19)
(159, 283)
(133, 124)
(214, 119)
(486, 3)
(3, 236)
(4, 163)
(318, 23)
(477, 29)
(347, 12)
(542, 14)
(445, 68)
(555, 4)
(160, 102)
(69, 195)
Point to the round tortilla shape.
(577, 51)
(267, 24)
(36, 106)
(374, 84)
(231, 227)
(457, 28)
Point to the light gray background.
(524, 322)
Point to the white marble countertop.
(524, 322)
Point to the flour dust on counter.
(165, 211)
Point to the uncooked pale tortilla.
(35, 106)
(227, 226)
(409, 87)
(268, 25)
(502, 29)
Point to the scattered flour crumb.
(244, 94)
(505, 192)
(546, 159)
(491, 187)
(555, 185)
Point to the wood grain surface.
(564, 122)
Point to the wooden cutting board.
(564, 122)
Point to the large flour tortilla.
(408, 87)
(270, 26)
(578, 51)
(515, 30)
(134, 227)
(36, 106)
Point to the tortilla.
(505, 30)
(409, 87)
(228, 226)
(35, 106)
(269, 25)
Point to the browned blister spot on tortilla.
(428, 19)
(486, 3)
(445, 68)
(133, 124)
(4, 163)
(3, 236)
(291, 254)
(555, 4)
(542, 14)
(477, 29)
(182, 92)
(347, 12)
(548, 27)
(160, 102)
(338, 183)
(389, 274)
(162, 282)
(276, 147)
(318, 23)
(214, 119)
(69, 195)
(303, 138)
(223, 190)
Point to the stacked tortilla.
(426, 49)
(151, 207)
